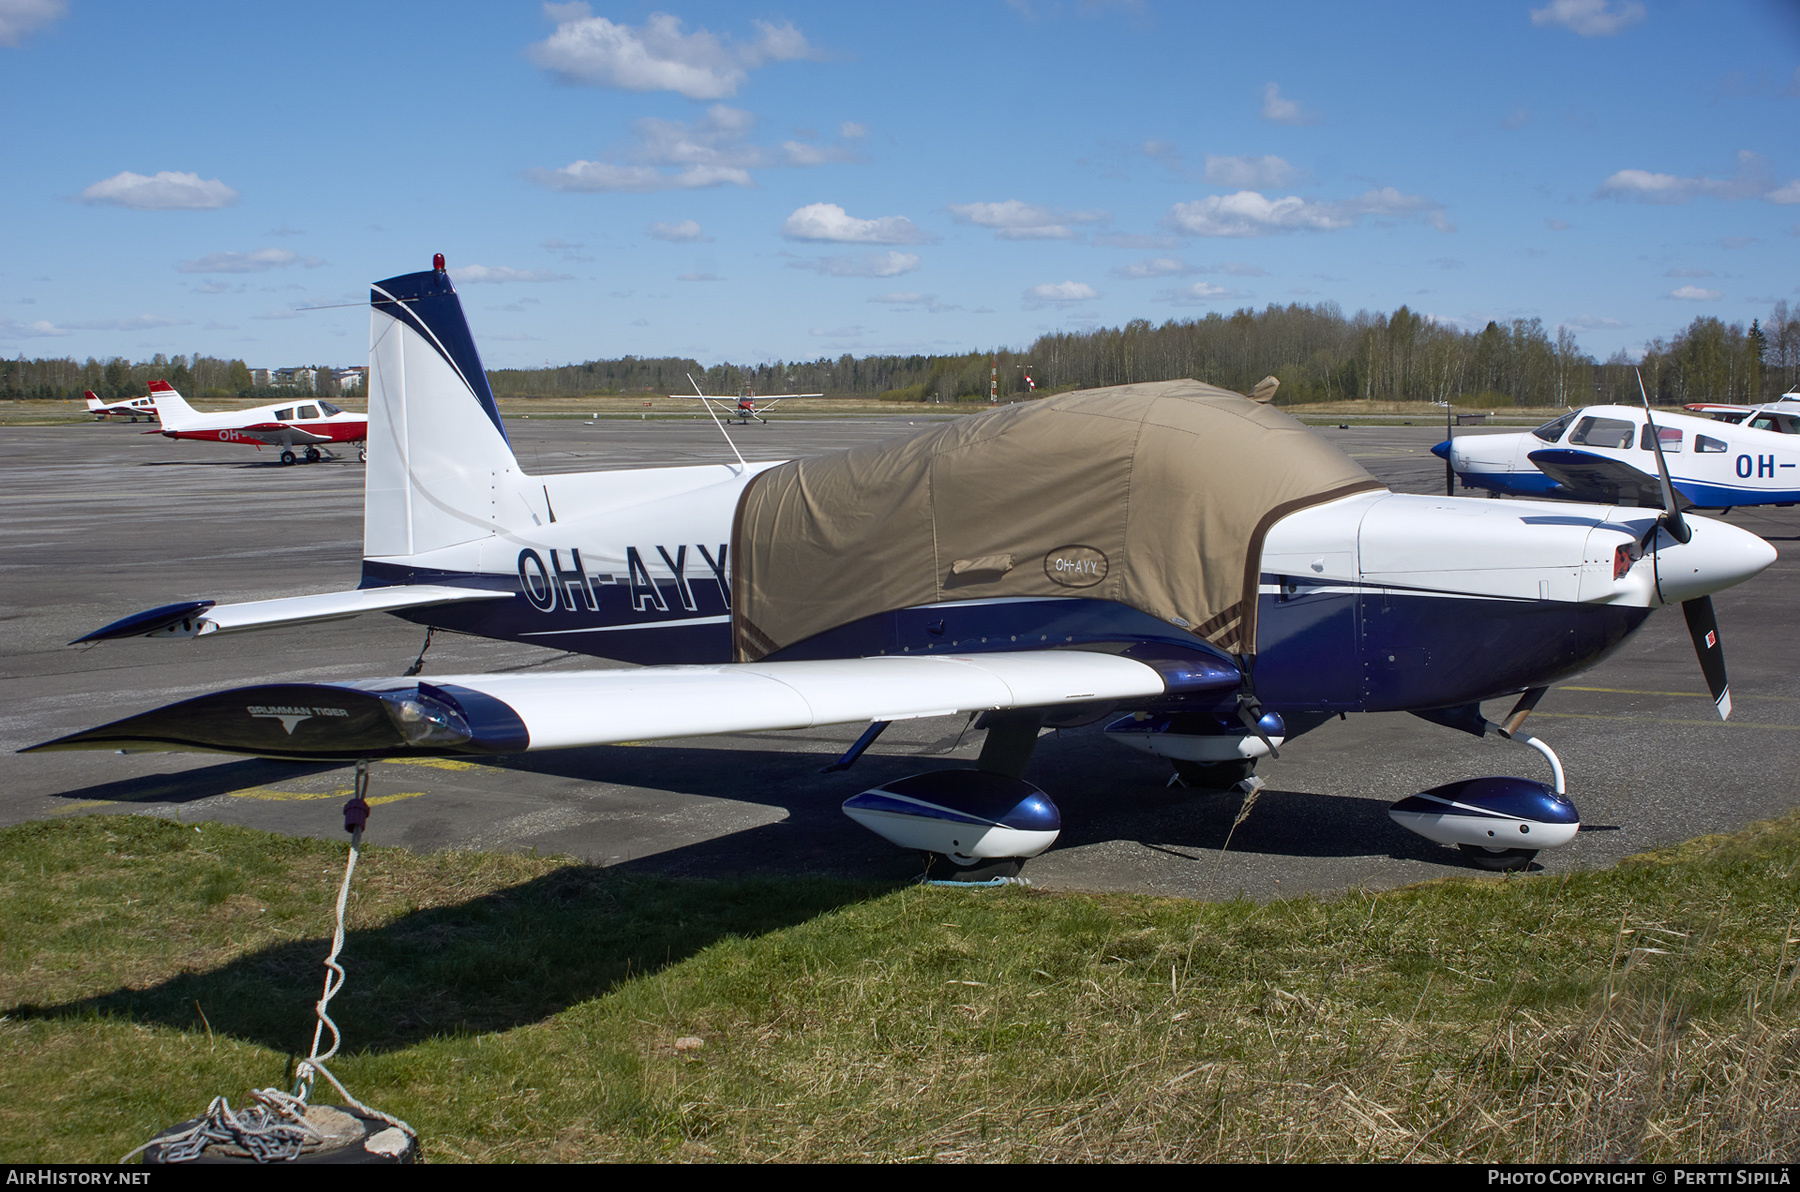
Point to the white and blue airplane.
(1360, 600)
(1604, 454)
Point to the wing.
(497, 714)
(197, 618)
(1600, 479)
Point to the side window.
(1671, 439)
(1763, 422)
(309, 411)
(1706, 443)
(1602, 432)
(1552, 431)
(284, 415)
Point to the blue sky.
(740, 183)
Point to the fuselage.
(1715, 464)
(1374, 602)
(292, 424)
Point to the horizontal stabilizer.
(196, 618)
(1601, 479)
(488, 714)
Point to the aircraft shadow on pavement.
(191, 786)
(487, 964)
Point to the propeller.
(1449, 451)
(1703, 625)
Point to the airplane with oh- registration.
(304, 428)
(1604, 453)
(1187, 564)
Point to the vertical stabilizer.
(170, 408)
(439, 458)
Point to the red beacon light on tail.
(437, 261)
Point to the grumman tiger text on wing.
(1186, 563)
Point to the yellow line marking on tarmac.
(275, 796)
(436, 763)
(71, 808)
(1663, 720)
(1689, 694)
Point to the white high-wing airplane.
(1604, 453)
(304, 422)
(132, 407)
(1187, 560)
(741, 408)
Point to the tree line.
(116, 378)
(1318, 353)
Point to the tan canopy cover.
(1154, 495)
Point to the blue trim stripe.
(427, 303)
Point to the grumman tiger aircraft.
(1604, 453)
(305, 423)
(1256, 583)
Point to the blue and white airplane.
(1604, 454)
(1369, 601)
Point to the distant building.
(346, 379)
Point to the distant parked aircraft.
(132, 408)
(306, 423)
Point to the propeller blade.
(1671, 518)
(1450, 439)
(1703, 627)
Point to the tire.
(362, 456)
(1498, 860)
(940, 868)
(312, 455)
(1216, 776)
(287, 457)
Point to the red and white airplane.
(305, 423)
(745, 407)
(132, 408)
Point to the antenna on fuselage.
(716, 422)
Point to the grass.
(520, 1008)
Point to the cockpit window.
(1552, 431)
(1603, 432)
(331, 411)
(309, 411)
(1781, 424)
(1670, 436)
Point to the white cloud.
(20, 17)
(470, 275)
(1249, 213)
(1155, 267)
(1015, 220)
(1590, 18)
(1750, 180)
(1237, 269)
(1059, 293)
(1249, 172)
(599, 175)
(165, 191)
(851, 131)
(260, 261)
(677, 155)
(828, 221)
(879, 264)
(1591, 323)
(685, 232)
(1285, 111)
(1196, 294)
(1690, 273)
(1695, 294)
(926, 302)
(658, 56)
(44, 329)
